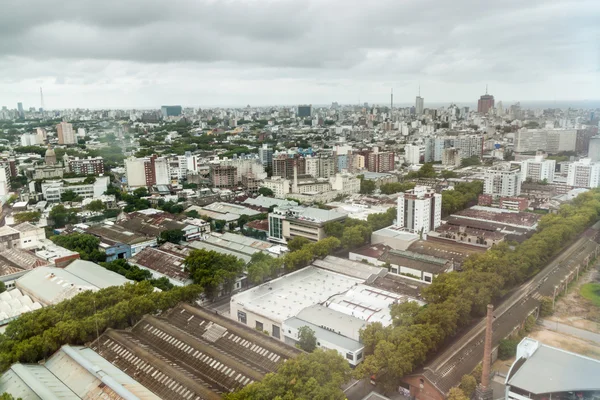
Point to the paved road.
(466, 352)
(570, 330)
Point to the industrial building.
(73, 372)
(189, 353)
(542, 371)
(288, 222)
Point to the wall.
(422, 389)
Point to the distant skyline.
(144, 53)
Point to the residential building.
(29, 139)
(5, 180)
(584, 173)
(41, 134)
(594, 149)
(419, 210)
(469, 145)
(548, 140)
(288, 222)
(223, 176)
(451, 157)
(284, 164)
(412, 154)
(544, 371)
(502, 182)
(376, 161)
(265, 154)
(20, 111)
(538, 169)
(170, 111)
(66, 134)
(245, 166)
(136, 172)
(320, 167)
(85, 166)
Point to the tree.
(297, 243)
(546, 307)
(316, 376)
(2, 287)
(213, 271)
(468, 383)
(456, 394)
(192, 214)
(27, 216)
(426, 171)
(470, 161)
(95, 206)
(86, 245)
(265, 191)
(140, 192)
(307, 340)
(507, 348)
(69, 195)
(396, 187)
(172, 235)
(61, 216)
(446, 174)
(367, 186)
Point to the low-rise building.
(52, 190)
(288, 222)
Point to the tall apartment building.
(283, 165)
(419, 105)
(320, 167)
(419, 210)
(66, 134)
(5, 176)
(29, 139)
(223, 176)
(412, 154)
(594, 149)
(538, 169)
(502, 182)
(376, 161)
(170, 111)
(140, 172)
(584, 173)
(304, 110)
(265, 153)
(468, 146)
(85, 166)
(246, 166)
(549, 140)
(41, 134)
(451, 156)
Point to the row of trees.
(396, 187)
(84, 244)
(461, 197)
(37, 334)
(455, 298)
(135, 273)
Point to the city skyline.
(97, 55)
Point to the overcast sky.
(144, 53)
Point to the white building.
(549, 140)
(52, 190)
(451, 156)
(4, 181)
(502, 182)
(29, 139)
(161, 171)
(584, 173)
(419, 210)
(419, 105)
(412, 154)
(288, 222)
(345, 183)
(538, 169)
(135, 172)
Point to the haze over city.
(126, 54)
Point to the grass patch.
(591, 291)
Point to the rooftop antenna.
(392, 100)
(486, 89)
(419, 89)
(41, 99)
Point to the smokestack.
(484, 391)
(391, 100)
(295, 184)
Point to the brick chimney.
(484, 391)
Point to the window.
(259, 326)
(350, 356)
(359, 356)
(427, 279)
(276, 332)
(242, 317)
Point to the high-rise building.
(29, 139)
(485, 102)
(549, 140)
(320, 167)
(502, 182)
(41, 134)
(419, 105)
(584, 173)
(283, 165)
(223, 176)
(594, 149)
(265, 153)
(66, 135)
(451, 156)
(412, 154)
(419, 210)
(376, 161)
(170, 111)
(20, 110)
(304, 110)
(538, 169)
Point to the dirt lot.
(566, 342)
(576, 311)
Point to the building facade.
(502, 182)
(85, 166)
(419, 210)
(66, 134)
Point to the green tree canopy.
(27, 216)
(69, 195)
(307, 340)
(174, 236)
(61, 216)
(316, 376)
(297, 243)
(265, 191)
(86, 245)
(212, 270)
(95, 205)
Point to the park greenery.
(462, 196)
(38, 334)
(454, 299)
(316, 376)
(591, 292)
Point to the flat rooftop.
(285, 297)
(331, 319)
(351, 268)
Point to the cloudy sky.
(144, 53)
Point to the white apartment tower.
(538, 169)
(584, 173)
(502, 182)
(412, 154)
(419, 210)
